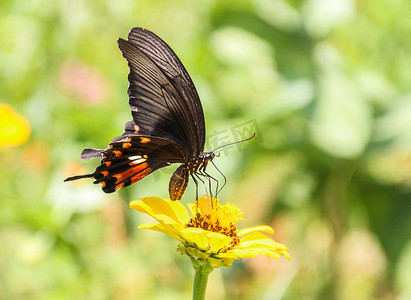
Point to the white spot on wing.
(138, 161)
(134, 157)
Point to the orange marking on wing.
(119, 186)
(140, 175)
(108, 163)
(145, 140)
(103, 184)
(126, 145)
(130, 172)
(136, 128)
(105, 173)
(117, 153)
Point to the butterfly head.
(202, 160)
(207, 156)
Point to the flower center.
(210, 215)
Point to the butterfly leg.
(209, 178)
(225, 178)
(196, 183)
(204, 184)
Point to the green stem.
(200, 279)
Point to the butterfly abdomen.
(178, 182)
(180, 178)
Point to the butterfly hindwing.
(129, 159)
(132, 158)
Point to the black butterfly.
(168, 121)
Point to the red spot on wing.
(145, 140)
(126, 145)
(105, 173)
(108, 163)
(130, 172)
(136, 128)
(103, 184)
(140, 175)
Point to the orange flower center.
(204, 222)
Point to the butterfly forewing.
(170, 65)
(148, 106)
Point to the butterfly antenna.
(229, 144)
(233, 143)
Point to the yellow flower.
(14, 128)
(209, 234)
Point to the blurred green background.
(326, 84)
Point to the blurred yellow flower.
(209, 234)
(14, 128)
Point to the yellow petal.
(241, 253)
(262, 246)
(163, 229)
(256, 243)
(272, 247)
(14, 128)
(180, 211)
(206, 240)
(218, 241)
(272, 252)
(156, 206)
(238, 253)
(175, 228)
(196, 236)
(263, 228)
(254, 237)
(166, 219)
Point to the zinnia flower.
(14, 128)
(207, 230)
